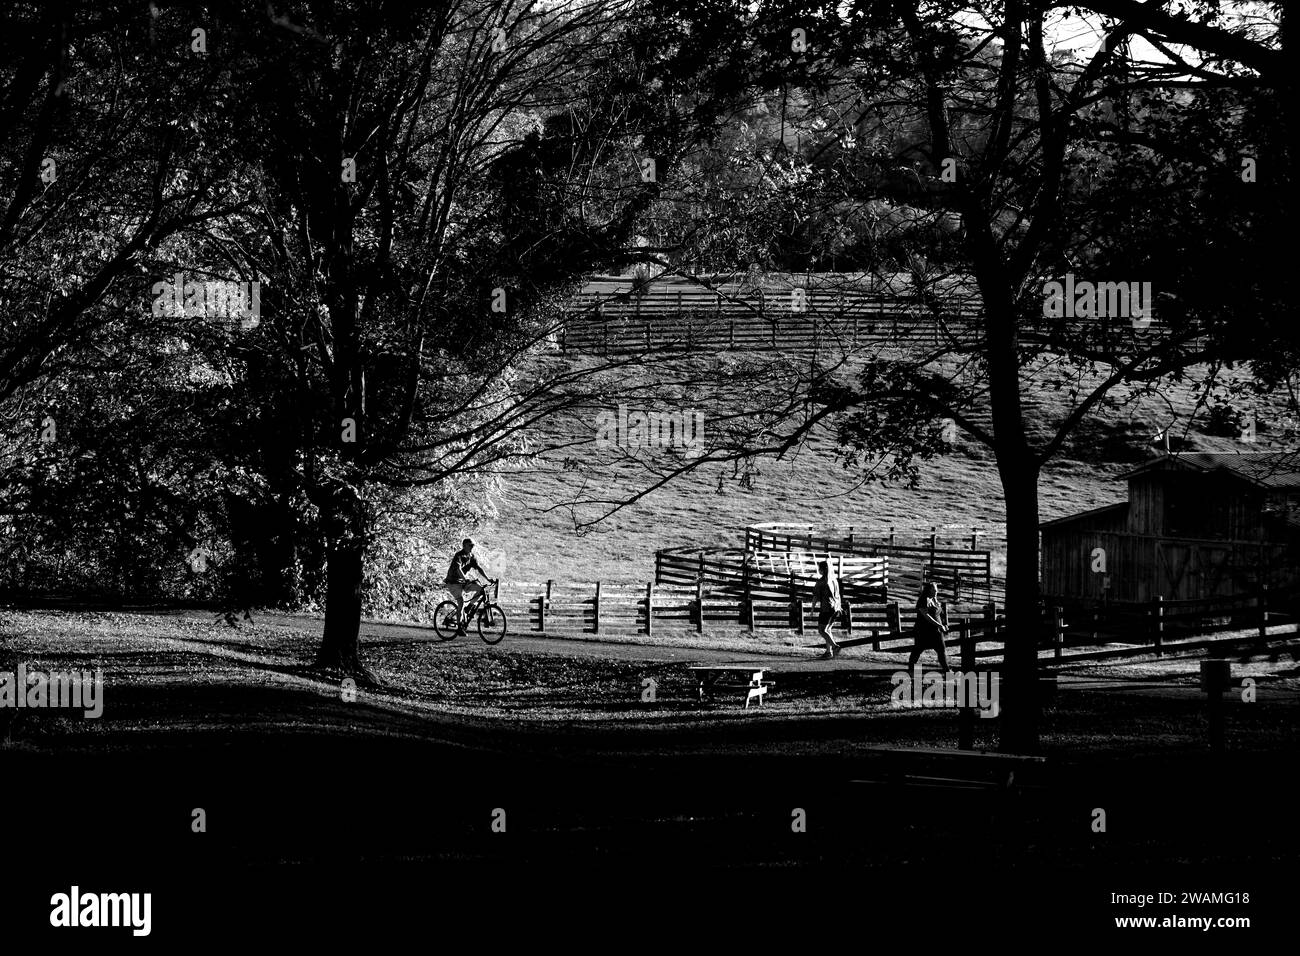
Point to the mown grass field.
(535, 535)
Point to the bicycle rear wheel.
(445, 620)
(491, 624)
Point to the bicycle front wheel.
(445, 620)
(492, 624)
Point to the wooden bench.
(744, 678)
(946, 768)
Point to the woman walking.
(827, 593)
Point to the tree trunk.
(1019, 704)
(346, 527)
(340, 644)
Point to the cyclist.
(458, 580)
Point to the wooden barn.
(1195, 526)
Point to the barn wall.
(1146, 503)
(1244, 514)
(1186, 504)
(1142, 567)
(1186, 535)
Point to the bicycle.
(490, 618)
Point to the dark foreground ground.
(361, 820)
(355, 834)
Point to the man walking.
(929, 630)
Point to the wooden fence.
(701, 319)
(1152, 623)
(644, 610)
(790, 320)
(739, 572)
(630, 610)
(963, 572)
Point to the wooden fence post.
(699, 603)
(1058, 631)
(966, 719)
(649, 608)
(796, 607)
(991, 620)
(848, 617)
(745, 595)
(1158, 622)
(1263, 611)
(1216, 676)
(891, 537)
(596, 608)
(541, 613)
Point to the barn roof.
(1266, 469)
(1083, 515)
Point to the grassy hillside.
(534, 537)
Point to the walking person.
(827, 593)
(928, 632)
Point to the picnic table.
(746, 678)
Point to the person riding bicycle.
(458, 580)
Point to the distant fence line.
(790, 320)
(703, 319)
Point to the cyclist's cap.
(467, 543)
